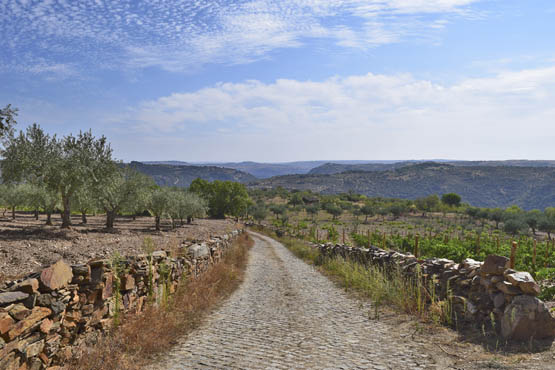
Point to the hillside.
(266, 170)
(484, 186)
(182, 175)
(335, 167)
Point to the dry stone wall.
(488, 292)
(50, 316)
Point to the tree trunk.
(157, 220)
(36, 214)
(110, 217)
(134, 216)
(66, 213)
(84, 218)
(13, 213)
(49, 218)
(189, 220)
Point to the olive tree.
(159, 204)
(14, 196)
(62, 165)
(186, 206)
(84, 201)
(122, 188)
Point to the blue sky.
(284, 80)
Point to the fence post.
(534, 255)
(513, 255)
(416, 246)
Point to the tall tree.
(7, 122)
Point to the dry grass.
(135, 343)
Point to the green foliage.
(223, 197)
(7, 121)
(64, 165)
(451, 199)
(186, 206)
(159, 204)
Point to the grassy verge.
(141, 337)
(389, 287)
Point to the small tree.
(260, 212)
(367, 210)
(278, 210)
(14, 196)
(84, 201)
(159, 204)
(451, 199)
(547, 223)
(532, 218)
(514, 225)
(335, 211)
(496, 215)
(312, 210)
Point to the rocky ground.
(27, 245)
(287, 315)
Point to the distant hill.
(484, 186)
(266, 170)
(332, 167)
(183, 175)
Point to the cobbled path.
(286, 315)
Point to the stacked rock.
(479, 292)
(48, 317)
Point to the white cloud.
(176, 35)
(369, 116)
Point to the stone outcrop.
(478, 291)
(48, 317)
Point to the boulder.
(198, 251)
(525, 282)
(494, 265)
(12, 297)
(507, 288)
(527, 317)
(56, 276)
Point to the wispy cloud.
(176, 35)
(368, 116)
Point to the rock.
(47, 300)
(81, 270)
(28, 286)
(494, 265)
(508, 288)
(37, 314)
(198, 251)
(127, 282)
(499, 300)
(469, 263)
(56, 276)
(46, 326)
(6, 323)
(10, 362)
(19, 312)
(12, 297)
(527, 317)
(525, 282)
(496, 279)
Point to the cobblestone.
(286, 315)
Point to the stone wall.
(477, 291)
(48, 317)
